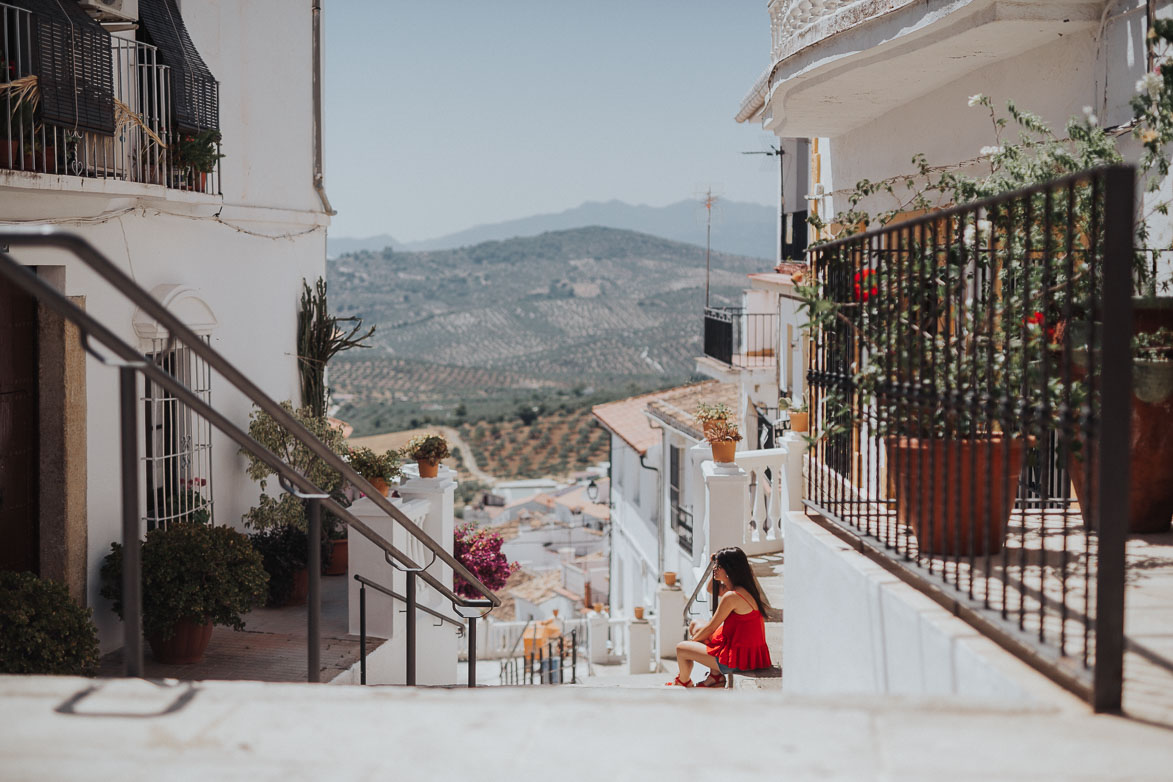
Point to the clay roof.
(627, 420)
(676, 408)
(540, 588)
(576, 500)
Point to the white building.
(227, 251)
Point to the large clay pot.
(1150, 489)
(301, 588)
(380, 484)
(952, 517)
(724, 451)
(339, 558)
(428, 469)
(186, 646)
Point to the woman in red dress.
(735, 638)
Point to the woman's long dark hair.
(735, 564)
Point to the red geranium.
(864, 291)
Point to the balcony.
(141, 149)
(737, 339)
(838, 64)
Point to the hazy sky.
(443, 114)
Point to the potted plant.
(710, 414)
(194, 156)
(194, 576)
(378, 469)
(799, 415)
(427, 450)
(45, 631)
(281, 518)
(723, 438)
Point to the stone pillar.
(726, 504)
(366, 559)
(597, 637)
(639, 646)
(795, 451)
(669, 619)
(436, 647)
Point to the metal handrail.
(699, 584)
(392, 593)
(47, 237)
(130, 360)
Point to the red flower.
(863, 291)
(1036, 318)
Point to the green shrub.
(42, 630)
(198, 571)
(283, 550)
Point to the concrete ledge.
(854, 628)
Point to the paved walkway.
(72, 728)
(271, 648)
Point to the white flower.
(972, 233)
(1150, 83)
(990, 151)
(975, 100)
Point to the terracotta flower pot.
(941, 491)
(669, 578)
(724, 451)
(639, 612)
(339, 559)
(381, 485)
(799, 422)
(186, 646)
(708, 426)
(428, 469)
(301, 588)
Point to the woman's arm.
(724, 608)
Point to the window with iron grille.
(675, 481)
(178, 448)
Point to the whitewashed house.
(227, 251)
(869, 84)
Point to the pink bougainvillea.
(479, 550)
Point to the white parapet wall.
(852, 627)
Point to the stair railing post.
(410, 651)
(362, 630)
(314, 609)
(574, 656)
(132, 601)
(472, 651)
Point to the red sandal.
(677, 683)
(714, 680)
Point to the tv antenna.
(708, 200)
(776, 150)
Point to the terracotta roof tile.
(628, 419)
(677, 407)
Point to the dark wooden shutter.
(72, 61)
(195, 96)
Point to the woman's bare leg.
(689, 652)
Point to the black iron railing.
(144, 146)
(960, 341)
(543, 663)
(131, 362)
(739, 338)
(682, 523)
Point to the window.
(178, 448)
(675, 480)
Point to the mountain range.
(738, 228)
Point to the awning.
(70, 56)
(195, 95)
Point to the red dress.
(740, 642)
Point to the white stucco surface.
(854, 628)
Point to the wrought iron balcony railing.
(143, 145)
(741, 339)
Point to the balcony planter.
(187, 644)
(427, 450)
(11, 152)
(965, 511)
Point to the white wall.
(854, 628)
(634, 553)
(247, 263)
